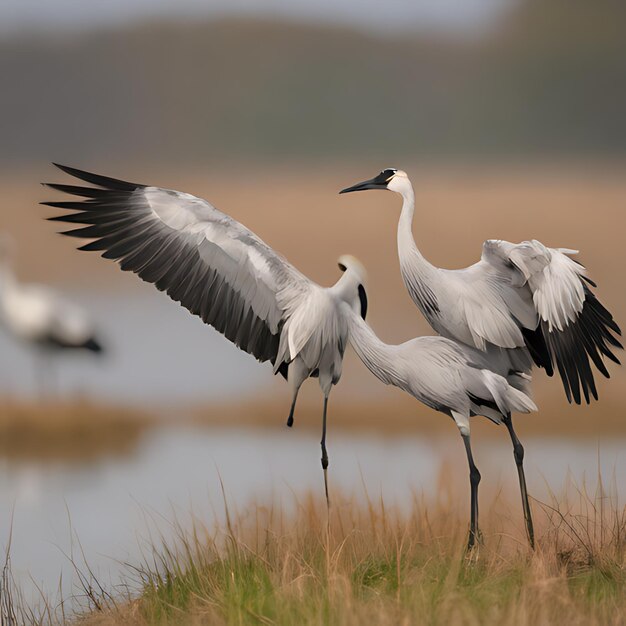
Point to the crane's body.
(443, 374)
(455, 379)
(522, 298)
(223, 273)
(520, 304)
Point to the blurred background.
(508, 116)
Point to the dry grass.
(71, 431)
(368, 563)
(378, 565)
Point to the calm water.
(110, 503)
(156, 351)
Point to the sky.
(19, 16)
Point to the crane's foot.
(474, 541)
(472, 555)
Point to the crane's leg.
(297, 374)
(518, 453)
(462, 422)
(474, 534)
(292, 409)
(324, 452)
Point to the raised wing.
(574, 328)
(210, 263)
(486, 310)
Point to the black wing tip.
(104, 182)
(55, 218)
(65, 168)
(580, 345)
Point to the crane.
(40, 317)
(223, 273)
(456, 380)
(525, 303)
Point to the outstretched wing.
(202, 258)
(574, 328)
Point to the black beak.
(372, 183)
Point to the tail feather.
(507, 398)
(93, 345)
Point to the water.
(108, 504)
(156, 351)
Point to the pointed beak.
(372, 183)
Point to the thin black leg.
(324, 452)
(291, 411)
(518, 453)
(474, 480)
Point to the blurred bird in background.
(41, 318)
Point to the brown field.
(298, 211)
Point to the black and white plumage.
(222, 272)
(525, 298)
(520, 304)
(42, 318)
(457, 380)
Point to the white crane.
(524, 302)
(40, 317)
(455, 379)
(222, 272)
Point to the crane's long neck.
(377, 356)
(409, 254)
(346, 288)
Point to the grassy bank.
(375, 565)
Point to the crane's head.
(348, 262)
(391, 178)
(351, 265)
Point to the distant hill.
(551, 79)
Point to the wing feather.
(201, 257)
(574, 329)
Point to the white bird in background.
(452, 378)
(40, 317)
(222, 272)
(522, 302)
